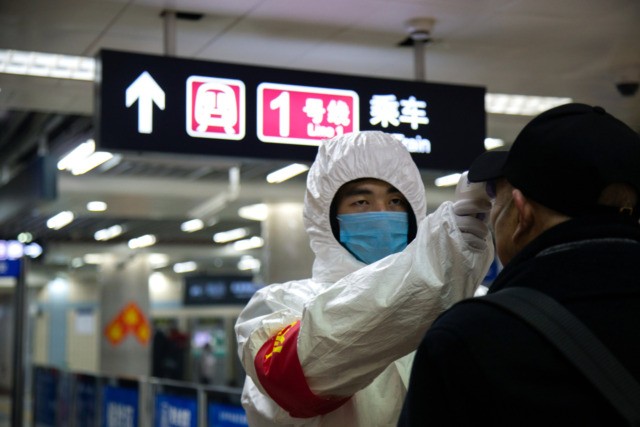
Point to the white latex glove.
(472, 205)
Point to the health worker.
(337, 349)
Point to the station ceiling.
(575, 48)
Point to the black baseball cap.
(565, 157)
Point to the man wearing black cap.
(565, 219)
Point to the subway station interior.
(174, 228)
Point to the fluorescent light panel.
(286, 173)
(142, 241)
(84, 158)
(47, 65)
(258, 212)
(60, 220)
(521, 105)
(91, 162)
(252, 243)
(185, 267)
(248, 262)
(448, 180)
(108, 233)
(192, 225)
(96, 206)
(76, 155)
(228, 236)
(158, 260)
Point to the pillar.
(287, 254)
(126, 335)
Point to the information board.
(223, 415)
(175, 411)
(149, 103)
(120, 407)
(211, 290)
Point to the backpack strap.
(576, 342)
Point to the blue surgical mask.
(371, 236)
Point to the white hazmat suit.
(336, 349)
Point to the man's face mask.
(371, 236)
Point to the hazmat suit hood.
(340, 160)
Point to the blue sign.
(45, 391)
(120, 407)
(174, 411)
(220, 415)
(86, 395)
(10, 268)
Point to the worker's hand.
(471, 207)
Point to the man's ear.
(526, 216)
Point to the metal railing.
(76, 399)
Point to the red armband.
(281, 375)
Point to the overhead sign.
(211, 290)
(172, 105)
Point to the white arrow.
(147, 91)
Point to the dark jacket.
(478, 365)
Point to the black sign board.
(212, 290)
(162, 104)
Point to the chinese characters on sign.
(305, 115)
(289, 114)
(386, 110)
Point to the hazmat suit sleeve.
(349, 332)
(380, 313)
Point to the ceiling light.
(252, 243)
(78, 154)
(142, 241)
(286, 173)
(91, 162)
(493, 143)
(58, 221)
(249, 263)
(25, 237)
(14, 249)
(11, 249)
(33, 250)
(448, 180)
(192, 225)
(84, 158)
(96, 206)
(108, 233)
(228, 236)
(47, 65)
(158, 260)
(522, 105)
(258, 212)
(185, 267)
